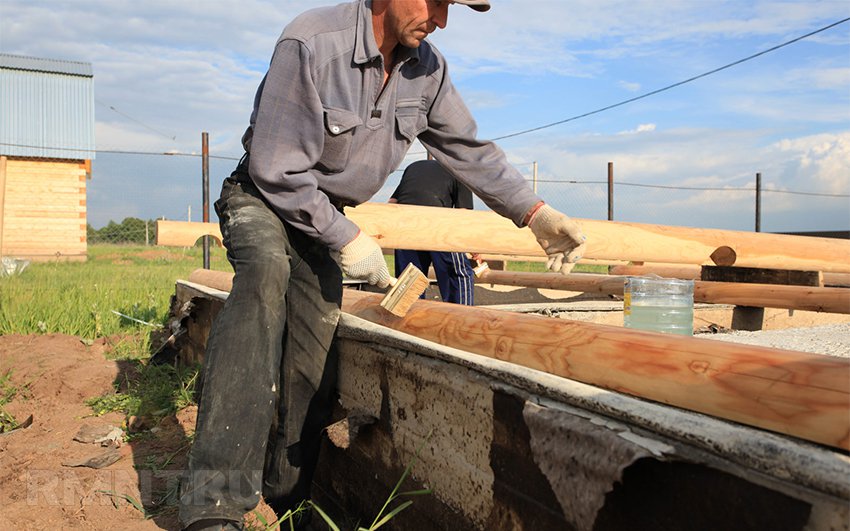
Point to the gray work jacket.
(323, 133)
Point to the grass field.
(85, 298)
(82, 298)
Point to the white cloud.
(820, 161)
(186, 67)
(724, 160)
(642, 128)
(630, 86)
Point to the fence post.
(610, 191)
(147, 235)
(758, 202)
(205, 172)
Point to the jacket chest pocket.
(339, 128)
(410, 118)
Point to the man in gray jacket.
(349, 88)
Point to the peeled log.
(799, 394)
(815, 299)
(795, 393)
(454, 229)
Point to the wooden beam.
(817, 299)
(460, 230)
(443, 229)
(184, 233)
(757, 275)
(799, 394)
(694, 272)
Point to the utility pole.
(205, 175)
(610, 191)
(758, 202)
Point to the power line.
(698, 188)
(122, 152)
(674, 85)
(127, 116)
(550, 181)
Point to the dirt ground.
(56, 374)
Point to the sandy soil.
(57, 374)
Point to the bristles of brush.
(410, 285)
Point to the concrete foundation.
(506, 447)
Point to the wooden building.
(46, 149)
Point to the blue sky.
(173, 70)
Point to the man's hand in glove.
(559, 236)
(362, 259)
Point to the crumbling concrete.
(507, 447)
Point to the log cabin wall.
(47, 144)
(43, 208)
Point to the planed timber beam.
(816, 299)
(453, 229)
(184, 233)
(795, 393)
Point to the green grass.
(85, 299)
(540, 267)
(82, 298)
(8, 391)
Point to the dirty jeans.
(269, 370)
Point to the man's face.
(413, 20)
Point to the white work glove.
(559, 236)
(362, 259)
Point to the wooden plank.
(33, 190)
(795, 393)
(41, 164)
(44, 226)
(184, 233)
(18, 201)
(56, 212)
(755, 275)
(693, 272)
(70, 243)
(817, 299)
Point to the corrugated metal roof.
(35, 64)
(46, 113)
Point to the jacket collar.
(365, 48)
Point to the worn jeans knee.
(268, 380)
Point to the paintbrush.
(407, 289)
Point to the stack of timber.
(678, 252)
(539, 423)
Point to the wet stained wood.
(796, 393)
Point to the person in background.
(426, 183)
(348, 89)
